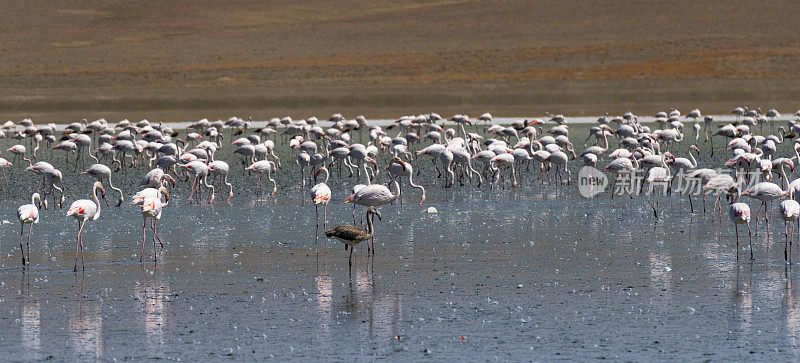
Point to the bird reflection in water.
(152, 295)
(30, 322)
(323, 285)
(743, 300)
(364, 303)
(86, 326)
(791, 313)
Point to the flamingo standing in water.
(200, 171)
(767, 191)
(151, 208)
(102, 172)
(28, 214)
(19, 151)
(790, 211)
(351, 235)
(84, 210)
(321, 194)
(262, 167)
(3, 165)
(374, 195)
(220, 170)
(401, 168)
(739, 213)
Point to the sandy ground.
(63, 61)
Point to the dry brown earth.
(182, 60)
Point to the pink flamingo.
(28, 214)
(262, 167)
(321, 194)
(151, 208)
(374, 195)
(84, 210)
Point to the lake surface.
(534, 273)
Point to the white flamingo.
(220, 170)
(28, 214)
(151, 208)
(103, 173)
(400, 168)
(84, 210)
(262, 167)
(790, 211)
(321, 194)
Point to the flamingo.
(321, 194)
(767, 191)
(219, 168)
(145, 193)
(351, 235)
(155, 177)
(739, 213)
(401, 168)
(102, 172)
(84, 210)
(790, 211)
(200, 170)
(358, 187)
(374, 195)
(506, 159)
(3, 165)
(262, 167)
(19, 151)
(151, 208)
(28, 214)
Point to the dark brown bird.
(351, 235)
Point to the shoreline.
(497, 120)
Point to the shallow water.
(537, 273)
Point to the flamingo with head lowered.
(401, 168)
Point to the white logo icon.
(591, 181)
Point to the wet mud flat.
(536, 273)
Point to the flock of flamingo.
(495, 156)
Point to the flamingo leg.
(766, 218)
(144, 224)
(785, 243)
(21, 233)
(155, 232)
(191, 194)
(155, 253)
(30, 230)
(750, 235)
(80, 244)
(350, 260)
(736, 228)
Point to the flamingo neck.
(366, 174)
(327, 175)
(370, 228)
(785, 181)
(396, 190)
(96, 201)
